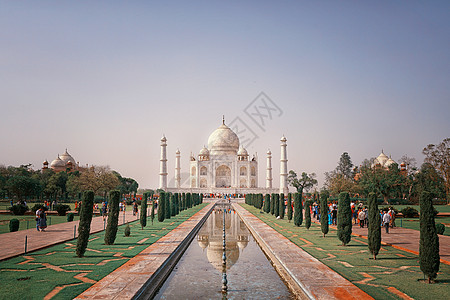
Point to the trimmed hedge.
(14, 225)
(113, 218)
(84, 227)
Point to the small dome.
(283, 139)
(66, 157)
(178, 151)
(242, 152)
(389, 162)
(382, 158)
(204, 151)
(163, 139)
(58, 163)
(269, 152)
(223, 141)
(45, 163)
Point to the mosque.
(224, 166)
(62, 163)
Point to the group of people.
(41, 219)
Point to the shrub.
(36, 207)
(307, 214)
(62, 209)
(298, 209)
(267, 203)
(324, 212)
(161, 206)
(14, 225)
(152, 215)
(374, 230)
(19, 209)
(127, 230)
(429, 241)
(344, 219)
(143, 216)
(440, 228)
(289, 208)
(84, 226)
(113, 218)
(70, 217)
(409, 212)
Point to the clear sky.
(106, 79)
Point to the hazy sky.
(106, 79)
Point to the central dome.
(223, 141)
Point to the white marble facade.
(224, 163)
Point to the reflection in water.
(198, 274)
(210, 237)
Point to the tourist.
(392, 214)
(386, 221)
(334, 216)
(366, 217)
(38, 220)
(104, 210)
(135, 208)
(361, 218)
(42, 220)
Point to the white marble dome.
(242, 151)
(204, 151)
(58, 163)
(66, 157)
(223, 141)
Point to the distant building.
(62, 162)
(382, 161)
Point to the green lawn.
(393, 269)
(439, 208)
(413, 223)
(27, 222)
(35, 275)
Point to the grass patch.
(58, 265)
(393, 267)
(27, 222)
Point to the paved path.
(13, 243)
(305, 275)
(128, 279)
(404, 239)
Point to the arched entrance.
(223, 177)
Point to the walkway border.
(306, 276)
(143, 275)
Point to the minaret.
(269, 170)
(177, 170)
(163, 165)
(283, 167)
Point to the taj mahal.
(224, 166)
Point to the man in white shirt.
(386, 221)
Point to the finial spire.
(223, 119)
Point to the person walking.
(361, 218)
(42, 220)
(334, 216)
(386, 221)
(38, 220)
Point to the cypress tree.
(183, 201)
(152, 216)
(84, 227)
(429, 240)
(113, 218)
(298, 209)
(344, 219)
(307, 214)
(167, 208)
(272, 204)
(161, 206)
(173, 206)
(177, 203)
(201, 197)
(267, 203)
(276, 207)
(282, 207)
(324, 212)
(289, 208)
(374, 228)
(143, 216)
(188, 200)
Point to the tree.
(345, 166)
(267, 203)
(143, 216)
(289, 203)
(99, 179)
(305, 182)
(167, 208)
(428, 179)
(173, 206)
(22, 186)
(152, 216)
(113, 218)
(272, 204)
(410, 162)
(161, 206)
(429, 240)
(276, 207)
(337, 183)
(282, 208)
(374, 228)
(344, 219)
(84, 227)
(439, 157)
(298, 209)
(307, 214)
(383, 182)
(177, 203)
(324, 212)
